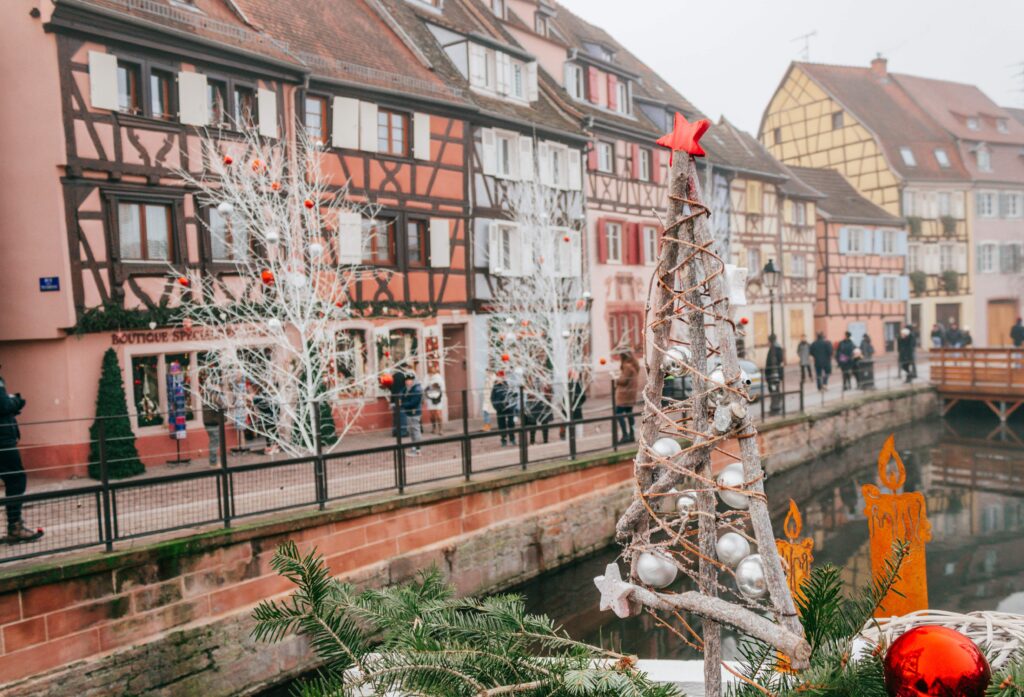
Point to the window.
(613, 236)
(626, 328)
(650, 242)
(754, 197)
(799, 213)
(914, 258)
(229, 237)
(416, 242)
(888, 242)
(160, 98)
(908, 157)
(398, 347)
(856, 240)
(559, 167)
(392, 133)
(754, 261)
(498, 8)
(605, 157)
(945, 204)
(351, 358)
(217, 98)
(506, 154)
(540, 23)
(856, 282)
(987, 204)
(984, 158)
(505, 249)
(144, 231)
(837, 120)
(1012, 204)
(316, 119)
(941, 157)
(947, 257)
(890, 287)
(987, 257)
(146, 390)
(128, 99)
(644, 166)
(798, 266)
(777, 135)
(379, 241)
(1002, 125)
(622, 104)
(517, 81)
(909, 207)
(245, 107)
(574, 81)
(972, 123)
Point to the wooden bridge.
(992, 376)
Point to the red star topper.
(685, 136)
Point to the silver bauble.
(296, 280)
(750, 577)
(732, 476)
(666, 447)
(674, 361)
(655, 570)
(272, 236)
(316, 249)
(225, 208)
(717, 378)
(732, 548)
(274, 324)
(686, 504)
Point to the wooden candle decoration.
(892, 517)
(796, 555)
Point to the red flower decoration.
(267, 276)
(685, 136)
(500, 373)
(184, 281)
(526, 323)
(228, 160)
(339, 304)
(308, 203)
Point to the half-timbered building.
(862, 283)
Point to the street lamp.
(770, 279)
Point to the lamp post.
(770, 278)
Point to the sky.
(728, 56)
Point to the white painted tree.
(292, 247)
(539, 305)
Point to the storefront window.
(184, 360)
(399, 347)
(146, 390)
(351, 359)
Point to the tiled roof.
(950, 103)
(882, 106)
(739, 151)
(1015, 113)
(841, 201)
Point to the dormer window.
(600, 52)
(574, 81)
(984, 158)
(942, 158)
(973, 124)
(908, 157)
(498, 8)
(501, 73)
(540, 23)
(622, 104)
(1002, 125)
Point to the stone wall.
(173, 618)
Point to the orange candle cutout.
(796, 555)
(893, 517)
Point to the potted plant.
(948, 225)
(951, 281)
(918, 282)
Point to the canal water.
(972, 476)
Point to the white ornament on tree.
(225, 208)
(655, 570)
(272, 236)
(736, 285)
(686, 504)
(316, 249)
(152, 325)
(732, 476)
(296, 280)
(274, 324)
(750, 577)
(666, 447)
(674, 361)
(732, 548)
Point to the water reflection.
(973, 480)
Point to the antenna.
(805, 52)
(1019, 75)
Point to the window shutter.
(576, 254)
(904, 288)
(931, 258)
(960, 258)
(878, 241)
(526, 169)
(787, 264)
(522, 253)
(563, 250)
(874, 287)
(602, 241)
(489, 151)
(350, 238)
(103, 80)
(957, 198)
(531, 81)
(787, 210)
(575, 173)
(544, 157)
(193, 108)
(656, 165)
(593, 85)
(844, 240)
(368, 126)
(613, 92)
(345, 123)
(266, 106)
(1004, 204)
(592, 157)
(844, 288)
(440, 244)
(421, 136)
(901, 242)
(493, 247)
(502, 72)
(477, 65)
(634, 169)
(629, 244)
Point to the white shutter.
(477, 65)
(103, 80)
(526, 171)
(960, 258)
(958, 204)
(844, 240)
(421, 136)
(368, 126)
(266, 104)
(522, 253)
(193, 108)
(350, 238)
(345, 123)
(844, 287)
(931, 258)
(544, 158)
(503, 72)
(575, 173)
(489, 151)
(440, 246)
(531, 81)
(576, 260)
(493, 247)
(563, 250)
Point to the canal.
(972, 476)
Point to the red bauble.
(525, 323)
(934, 660)
(602, 361)
(500, 373)
(184, 281)
(387, 380)
(308, 203)
(267, 276)
(505, 358)
(565, 238)
(228, 160)
(275, 186)
(257, 165)
(744, 321)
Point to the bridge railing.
(988, 370)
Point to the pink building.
(862, 284)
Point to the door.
(946, 314)
(1001, 316)
(454, 336)
(796, 328)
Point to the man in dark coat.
(773, 372)
(1017, 333)
(905, 353)
(821, 352)
(412, 411)
(11, 470)
(503, 399)
(844, 357)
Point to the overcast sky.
(728, 56)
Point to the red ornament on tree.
(275, 186)
(685, 136)
(387, 380)
(308, 203)
(184, 281)
(267, 276)
(602, 360)
(257, 165)
(505, 358)
(565, 238)
(744, 321)
(934, 660)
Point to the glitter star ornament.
(685, 136)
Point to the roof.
(738, 150)
(884, 108)
(951, 103)
(1015, 113)
(841, 201)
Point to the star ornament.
(685, 136)
(614, 592)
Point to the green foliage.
(114, 317)
(914, 223)
(112, 410)
(948, 225)
(919, 282)
(1009, 680)
(951, 281)
(419, 639)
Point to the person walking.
(905, 354)
(1017, 333)
(803, 351)
(773, 373)
(11, 470)
(867, 349)
(412, 411)
(625, 395)
(486, 408)
(821, 352)
(538, 410)
(434, 392)
(844, 357)
(503, 400)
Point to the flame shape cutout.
(794, 523)
(895, 480)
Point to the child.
(434, 393)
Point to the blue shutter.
(901, 242)
(875, 247)
(872, 287)
(904, 286)
(844, 240)
(844, 288)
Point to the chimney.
(879, 66)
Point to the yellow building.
(861, 122)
